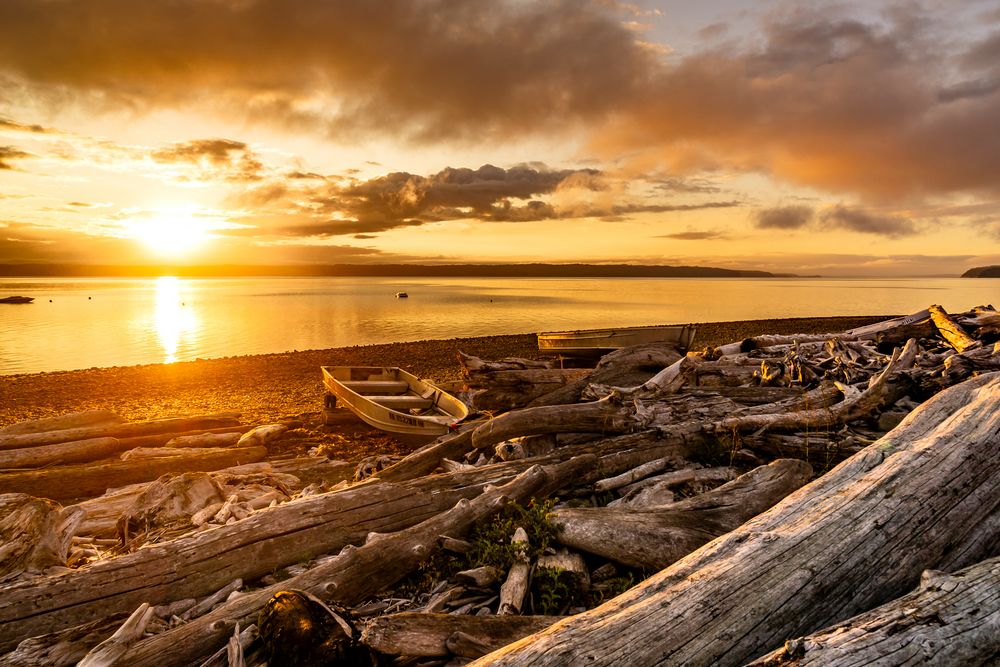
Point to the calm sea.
(80, 323)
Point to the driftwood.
(628, 367)
(107, 653)
(855, 405)
(35, 534)
(510, 384)
(204, 440)
(514, 589)
(64, 648)
(927, 495)
(202, 563)
(657, 490)
(354, 574)
(62, 422)
(88, 480)
(655, 537)
(429, 635)
(951, 331)
(123, 430)
(951, 620)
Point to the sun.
(172, 231)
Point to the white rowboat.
(393, 400)
(594, 342)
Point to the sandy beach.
(271, 387)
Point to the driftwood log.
(122, 430)
(433, 635)
(88, 480)
(354, 574)
(35, 534)
(951, 620)
(655, 537)
(63, 422)
(927, 495)
(201, 564)
(627, 367)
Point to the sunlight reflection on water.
(175, 323)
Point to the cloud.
(707, 235)
(233, 159)
(14, 126)
(893, 107)
(428, 68)
(858, 220)
(783, 217)
(829, 102)
(8, 153)
(396, 200)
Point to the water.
(118, 322)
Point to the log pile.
(782, 499)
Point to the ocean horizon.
(98, 322)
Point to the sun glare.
(176, 232)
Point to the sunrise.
(499, 332)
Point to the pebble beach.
(270, 387)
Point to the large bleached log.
(628, 367)
(124, 430)
(62, 422)
(88, 480)
(354, 574)
(927, 495)
(427, 635)
(202, 563)
(655, 537)
(951, 330)
(951, 620)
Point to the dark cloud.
(889, 108)
(842, 105)
(783, 217)
(488, 194)
(858, 220)
(8, 153)
(233, 160)
(7, 124)
(694, 236)
(428, 68)
(402, 199)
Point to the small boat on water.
(393, 400)
(596, 342)
(402, 295)
(17, 299)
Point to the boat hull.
(392, 400)
(17, 299)
(595, 342)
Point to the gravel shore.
(269, 387)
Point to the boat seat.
(402, 402)
(365, 387)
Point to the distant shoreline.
(530, 270)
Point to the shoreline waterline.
(270, 386)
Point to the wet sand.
(271, 387)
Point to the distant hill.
(388, 270)
(983, 272)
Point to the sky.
(840, 139)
